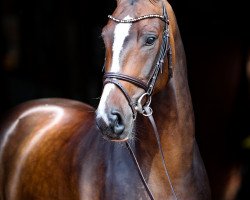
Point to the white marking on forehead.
(120, 33)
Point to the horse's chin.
(109, 136)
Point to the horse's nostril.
(116, 122)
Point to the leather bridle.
(112, 77)
(145, 109)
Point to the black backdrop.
(53, 48)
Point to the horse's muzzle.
(113, 128)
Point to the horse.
(139, 143)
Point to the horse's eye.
(150, 40)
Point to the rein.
(145, 109)
(151, 119)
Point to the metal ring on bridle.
(140, 108)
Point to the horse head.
(137, 64)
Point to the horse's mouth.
(107, 137)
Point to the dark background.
(53, 48)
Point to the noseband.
(112, 77)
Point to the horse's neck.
(173, 114)
(173, 106)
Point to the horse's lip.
(120, 140)
(110, 137)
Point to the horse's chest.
(122, 180)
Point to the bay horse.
(139, 143)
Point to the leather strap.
(127, 78)
(120, 86)
(151, 119)
(151, 196)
